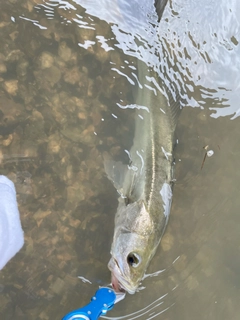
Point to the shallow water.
(67, 73)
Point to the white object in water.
(11, 233)
(210, 153)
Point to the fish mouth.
(119, 283)
(116, 284)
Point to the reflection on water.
(198, 49)
(65, 68)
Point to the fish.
(160, 6)
(144, 184)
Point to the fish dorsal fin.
(175, 108)
(169, 100)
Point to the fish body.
(146, 186)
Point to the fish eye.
(133, 259)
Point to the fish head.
(128, 263)
(132, 248)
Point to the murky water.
(67, 70)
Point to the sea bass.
(146, 186)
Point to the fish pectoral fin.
(115, 171)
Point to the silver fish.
(145, 185)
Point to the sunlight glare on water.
(186, 55)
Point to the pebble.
(46, 60)
(64, 51)
(11, 86)
(6, 142)
(167, 242)
(53, 144)
(3, 68)
(72, 76)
